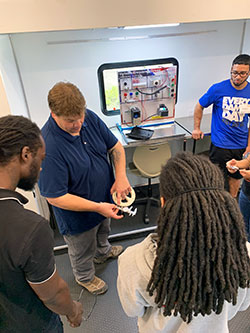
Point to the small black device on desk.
(139, 133)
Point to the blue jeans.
(244, 204)
(55, 325)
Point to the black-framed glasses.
(241, 74)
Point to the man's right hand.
(109, 210)
(197, 134)
(76, 320)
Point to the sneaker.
(114, 253)
(96, 286)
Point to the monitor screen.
(158, 73)
(147, 95)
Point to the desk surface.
(162, 133)
(188, 124)
(180, 128)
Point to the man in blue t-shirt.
(77, 180)
(229, 129)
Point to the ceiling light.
(152, 26)
(127, 38)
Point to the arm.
(242, 164)
(54, 293)
(198, 113)
(78, 204)
(121, 185)
(130, 285)
(245, 174)
(248, 143)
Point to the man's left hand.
(245, 174)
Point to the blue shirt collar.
(63, 133)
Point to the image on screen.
(109, 77)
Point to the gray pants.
(82, 249)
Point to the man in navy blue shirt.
(229, 130)
(77, 180)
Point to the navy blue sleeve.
(53, 181)
(208, 98)
(109, 138)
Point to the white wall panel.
(204, 51)
(246, 43)
(10, 78)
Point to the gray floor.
(104, 314)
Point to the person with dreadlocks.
(193, 275)
(32, 293)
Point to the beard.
(28, 183)
(239, 83)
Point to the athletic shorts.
(221, 156)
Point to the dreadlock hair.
(17, 132)
(65, 99)
(201, 258)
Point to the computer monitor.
(140, 91)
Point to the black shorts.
(221, 156)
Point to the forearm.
(61, 303)
(74, 203)
(248, 140)
(55, 295)
(119, 160)
(198, 113)
(78, 204)
(243, 164)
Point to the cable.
(152, 115)
(127, 124)
(91, 310)
(153, 93)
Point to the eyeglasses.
(241, 74)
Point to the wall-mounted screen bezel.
(109, 73)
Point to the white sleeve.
(246, 302)
(248, 248)
(130, 285)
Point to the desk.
(162, 133)
(187, 123)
